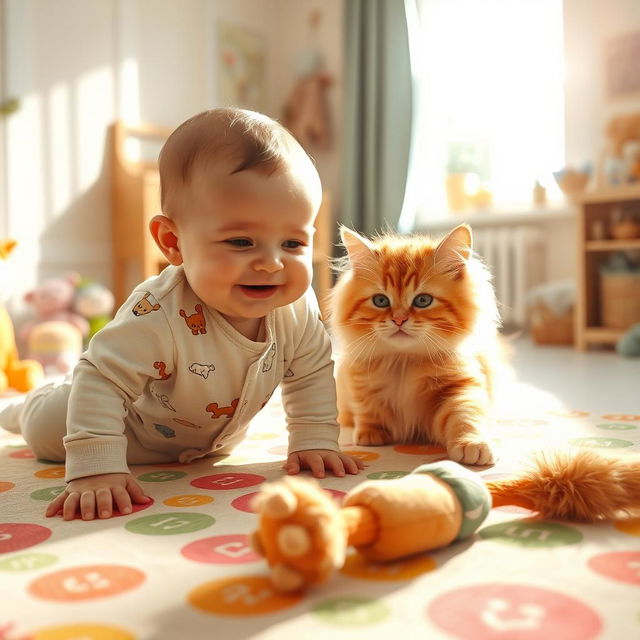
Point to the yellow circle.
(188, 500)
(50, 472)
(84, 631)
(241, 596)
(365, 456)
(631, 526)
(357, 567)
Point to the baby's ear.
(358, 248)
(455, 249)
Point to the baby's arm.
(318, 460)
(97, 495)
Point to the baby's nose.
(269, 261)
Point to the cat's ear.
(455, 249)
(358, 248)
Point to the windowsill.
(498, 215)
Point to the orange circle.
(241, 596)
(357, 567)
(622, 417)
(188, 500)
(50, 472)
(365, 456)
(84, 631)
(420, 449)
(631, 526)
(5, 486)
(87, 582)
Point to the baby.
(197, 351)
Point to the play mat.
(181, 567)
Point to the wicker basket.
(620, 299)
(548, 327)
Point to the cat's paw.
(472, 451)
(370, 436)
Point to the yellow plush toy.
(21, 375)
(304, 535)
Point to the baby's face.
(246, 239)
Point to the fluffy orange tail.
(583, 486)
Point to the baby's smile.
(258, 290)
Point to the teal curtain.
(378, 114)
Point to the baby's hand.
(320, 459)
(97, 494)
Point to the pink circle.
(18, 535)
(23, 454)
(623, 566)
(231, 549)
(501, 611)
(227, 481)
(243, 503)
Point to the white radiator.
(515, 254)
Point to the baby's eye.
(292, 244)
(380, 300)
(422, 300)
(239, 242)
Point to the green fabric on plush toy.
(94, 302)
(629, 343)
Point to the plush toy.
(21, 375)
(56, 345)
(94, 302)
(53, 300)
(304, 535)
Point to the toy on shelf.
(94, 302)
(21, 375)
(620, 162)
(304, 535)
(56, 345)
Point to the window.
(490, 102)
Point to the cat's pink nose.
(399, 320)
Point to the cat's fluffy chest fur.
(417, 326)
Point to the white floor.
(597, 381)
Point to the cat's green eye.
(422, 300)
(380, 300)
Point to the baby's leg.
(43, 419)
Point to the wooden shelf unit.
(136, 199)
(596, 208)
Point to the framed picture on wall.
(622, 65)
(241, 65)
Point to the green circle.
(169, 524)
(27, 561)
(601, 443)
(525, 533)
(387, 475)
(617, 426)
(161, 476)
(351, 611)
(49, 493)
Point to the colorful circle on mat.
(421, 449)
(531, 534)
(356, 566)
(161, 476)
(621, 416)
(188, 500)
(51, 472)
(630, 526)
(227, 481)
(387, 475)
(19, 535)
(622, 566)
(568, 413)
(6, 486)
(245, 502)
(351, 611)
(617, 426)
(48, 493)
(365, 456)
(230, 549)
(601, 443)
(81, 632)
(23, 454)
(241, 596)
(88, 582)
(501, 611)
(280, 450)
(523, 423)
(169, 524)
(28, 562)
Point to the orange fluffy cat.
(416, 323)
